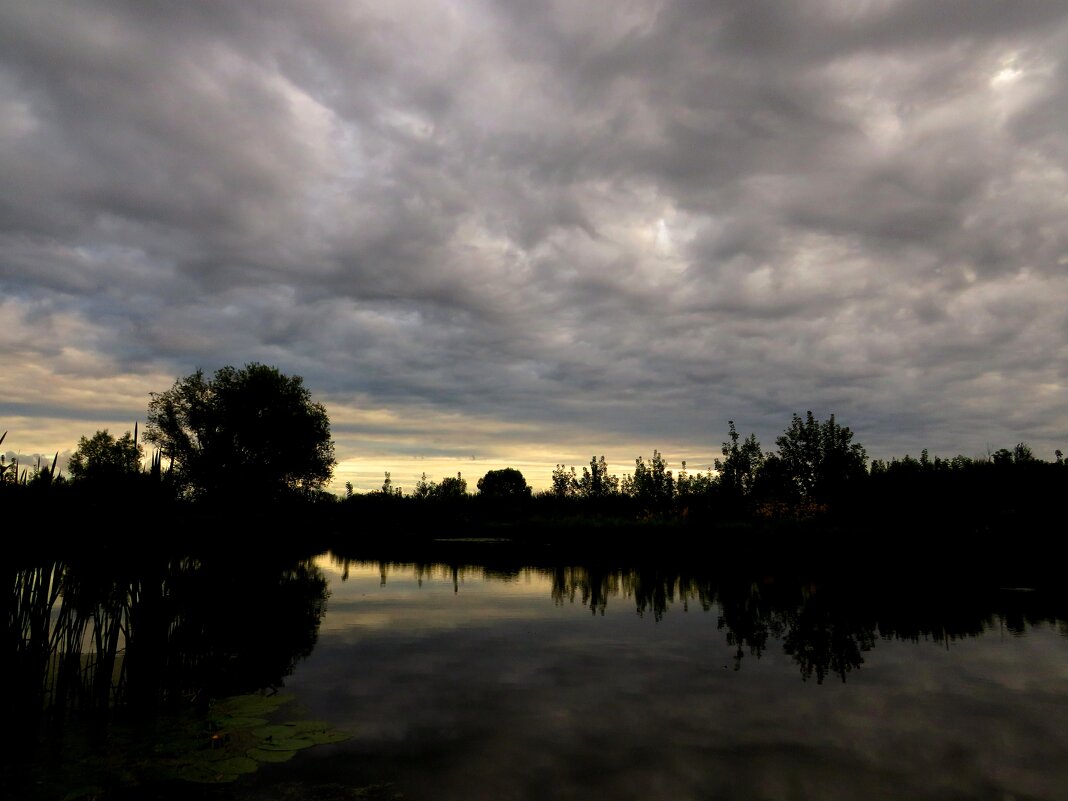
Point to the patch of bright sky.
(1017, 82)
(17, 120)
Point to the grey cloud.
(642, 218)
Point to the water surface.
(468, 683)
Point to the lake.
(511, 682)
(535, 684)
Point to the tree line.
(254, 438)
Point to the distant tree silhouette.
(505, 483)
(448, 488)
(387, 491)
(104, 457)
(564, 482)
(740, 465)
(452, 487)
(820, 458)
(252, 430)
(595, 481)
(652, 483)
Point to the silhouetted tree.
(387, 491)
(248, 430)
(1022, 453)
(1002, 457)
(448, 488)
(652, 483)
(692, 485)
(820, 458)
(452, 487)
(595, 481)
(774, 482)
(506, 483)
(103, 457)
(740, 465)
(564, 482)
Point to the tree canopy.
(249, 430)
(505, 483)
(741, 464)
(820, 459)
(105, 457)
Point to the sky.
(518, 233)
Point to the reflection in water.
(91, 636)
(825, 628)
(592, 682)
(527, 682)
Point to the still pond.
(456, 683)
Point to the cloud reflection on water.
(496, 691)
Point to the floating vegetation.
(234, 738)
(237, 738)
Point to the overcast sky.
(518, 233)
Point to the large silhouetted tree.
(253, 431)
(506, 483)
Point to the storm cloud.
(520, 232)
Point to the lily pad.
(205, 774)
(276, 731)
(240, 723)
(236, 764)
(236, 738)
(325, 737)
(297, 735)
(285, 744)
(307, 725)
(265, 755)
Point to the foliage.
(564, 482)
(1021, 454)
(652, 483)
(505, 483)
(249, 430)
(9, 471)
(820, 459)
(774, 482)
(596, 482)
(693, 485)
(452, 487)
(448, 488)
(42, 475)
(387, 491)
(424, 488)
(740, 465)
(104, 457)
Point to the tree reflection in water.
(93, 636)
(826, 627)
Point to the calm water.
(473, 685)
(563, 683)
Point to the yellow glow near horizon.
(364, 458)
(370, 439)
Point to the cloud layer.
(521, 231)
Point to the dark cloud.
(631, 219)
